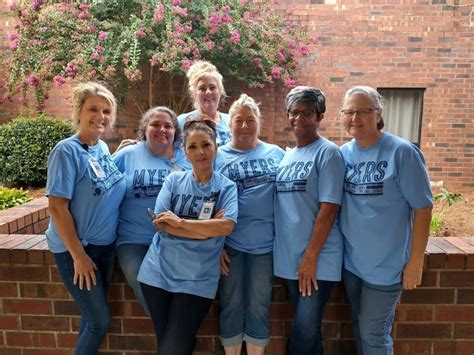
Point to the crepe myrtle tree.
(147, 46)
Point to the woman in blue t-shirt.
(206, 90)
(195, 210)
(308, 242)
(385, 219)
(84, 189)
(245, 290)
(145, 165)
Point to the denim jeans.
(130, 257)
(93, 304)
(373, 311)
(245, 296)
(176, 318)
(306, 336)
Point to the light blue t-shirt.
(95, 194)
(144, 175)
(254, 172)
(307, 176)
(185, 265)
(383, 184)
(222, 129)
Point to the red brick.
(339, 347)
(66, 308)
(419, 313)
(67, 340)
(9, 322)
(412, 347)
(431, 295)
(464, 331)
(280, 311)
(465, 296)
(276, 346)
(205, 344)
(337, 312)
(454, 313)
(10, 351)
(461, 279)
(8, 289)
(27, 306)
(422, 330)
(23, 273)
(44, 290)
(27, 339)
(132, 342)
(115, 292)
(47, 352)
(208, 327)
(458, 347)
(44, 323)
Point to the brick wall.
(383, 43)
(37, 315)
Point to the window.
(403, 109)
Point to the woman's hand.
(224, 261)
(126, 142)
(307, 274)
(412, 275)
(168, 218)
(84, 271)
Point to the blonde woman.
(85, 189)
(206, 89)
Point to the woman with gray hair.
(145, 165)
(308, 243)
(385, 219)
(84, 190)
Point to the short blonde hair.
(199, 70)
(81, 92)
(245, 101)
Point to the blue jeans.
(373, 311)
(245, 296)
(176, 318)
(130, 257)
(306, 336)
(93, 304)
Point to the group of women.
(200, 206)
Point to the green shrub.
(12, 197)
(25, 143)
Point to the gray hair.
(83, 91)
(308, 94)
(145, 121)
(245, 101)
(374, 96)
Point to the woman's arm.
(193, 228)
(83, 265)
(321, 229)
(421, 230)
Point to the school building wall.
(425, 44)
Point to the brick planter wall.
(37, 315)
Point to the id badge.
(98, 171)
(206, 210)
(176, 168)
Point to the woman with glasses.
(145, 165)
(194, 211)
(385, 219)
(308, 242)
(206, 89)
(245, 289)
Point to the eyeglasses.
(304, 114)
(362, 112)
(195, 120)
